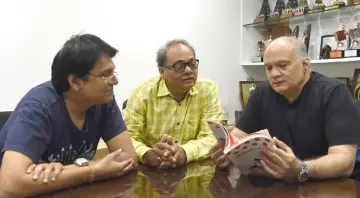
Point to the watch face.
(82, 161)
(303, 177)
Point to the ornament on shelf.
(335, 5)
(303, 8)
(340, 36)
(295, 32)
(264, 12)
(318, 6)
(290, 9)
(279, 7)
(261, 47)
(306, 37)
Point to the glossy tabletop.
(203, 179)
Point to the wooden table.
(102, 150)
(201, 180)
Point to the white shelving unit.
(324, 23)
(315, 62)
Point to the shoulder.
(264, 89)
(324, 85)
(43, 95)
(205, 84)
(149, 85)
(324, 82)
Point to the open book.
(244, 152)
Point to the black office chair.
(4, 117)
(124, 104)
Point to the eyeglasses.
(179, 66)
(106, 79)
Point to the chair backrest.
(124, 104)
(4, 117)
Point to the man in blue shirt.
(57, 125)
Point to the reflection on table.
(201, 180)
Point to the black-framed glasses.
(105, 79)
(179, 66)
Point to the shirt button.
(175, 141)
(178, 123)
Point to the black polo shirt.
(323, 115)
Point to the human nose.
(113, 80)
(187, 69)
(274, 73)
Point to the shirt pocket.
(191, 130)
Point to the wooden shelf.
(315, 62)
(309, 17)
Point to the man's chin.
(188, 86)
(108, 99)
(279, 89)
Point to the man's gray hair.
(300, 47)
(162, 52)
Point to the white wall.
(33, 31)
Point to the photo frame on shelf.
(326, 42)
(246, 87)
(355, 84)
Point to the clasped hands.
(165, 154)
(279, 162)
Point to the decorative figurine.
(306, 37)
(303, 8)
(335, 5)
(264, 12)
(279, 7)
(290, 9)
(318, 6)
(340, 36)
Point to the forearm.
(25, 186)
(199, 149)
(330, 166)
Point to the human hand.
(179, 157)
(280, 162)
(217, 154)
(108, 167)
(161, 155)
(47, 171)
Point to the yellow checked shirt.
(151, 112)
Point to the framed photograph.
(344, 80)
(354, 38)
(328, 43)
(246, 87)
(355, 85)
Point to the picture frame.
(329, 40)
(245, 90)
(355, 84)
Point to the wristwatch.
(304, 172)
(81, 162)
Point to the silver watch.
(304, 172)
(81, 162)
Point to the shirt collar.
(164, 91)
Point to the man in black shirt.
(313, 119)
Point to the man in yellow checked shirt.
(166, 115)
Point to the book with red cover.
(244, 153)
